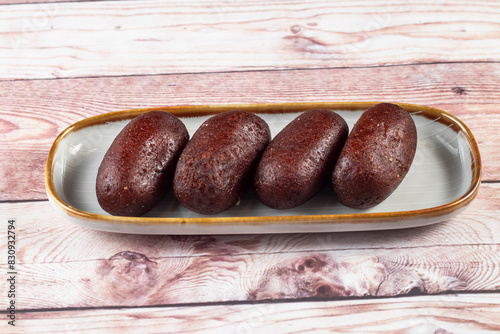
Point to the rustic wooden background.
(63, 61)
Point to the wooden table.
(61, 62)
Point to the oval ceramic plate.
(443, 179)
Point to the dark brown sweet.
(218, 163)
(376, 156)
(138, 168)
(299, 161)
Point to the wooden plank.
(464, 313)
(151, 37)
(34, 112)
(124, 270)
(130, 279)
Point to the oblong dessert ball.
(138, 168)
(376, 156)
(217, 165)
(299, 161)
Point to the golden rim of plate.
(202, 110)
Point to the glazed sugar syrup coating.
(376, 156)
(299, 161)
(138, 168)
(217, 165)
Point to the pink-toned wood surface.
(61, 62)
(55, 40)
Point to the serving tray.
(442, 181)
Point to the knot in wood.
(296, 29)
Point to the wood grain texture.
(26, 133)
(62, 61)
(465, 313)
(132, 279)
(54, 40)
(462, 254)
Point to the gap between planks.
(474, 313)
(250, 71)
(388, 299)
